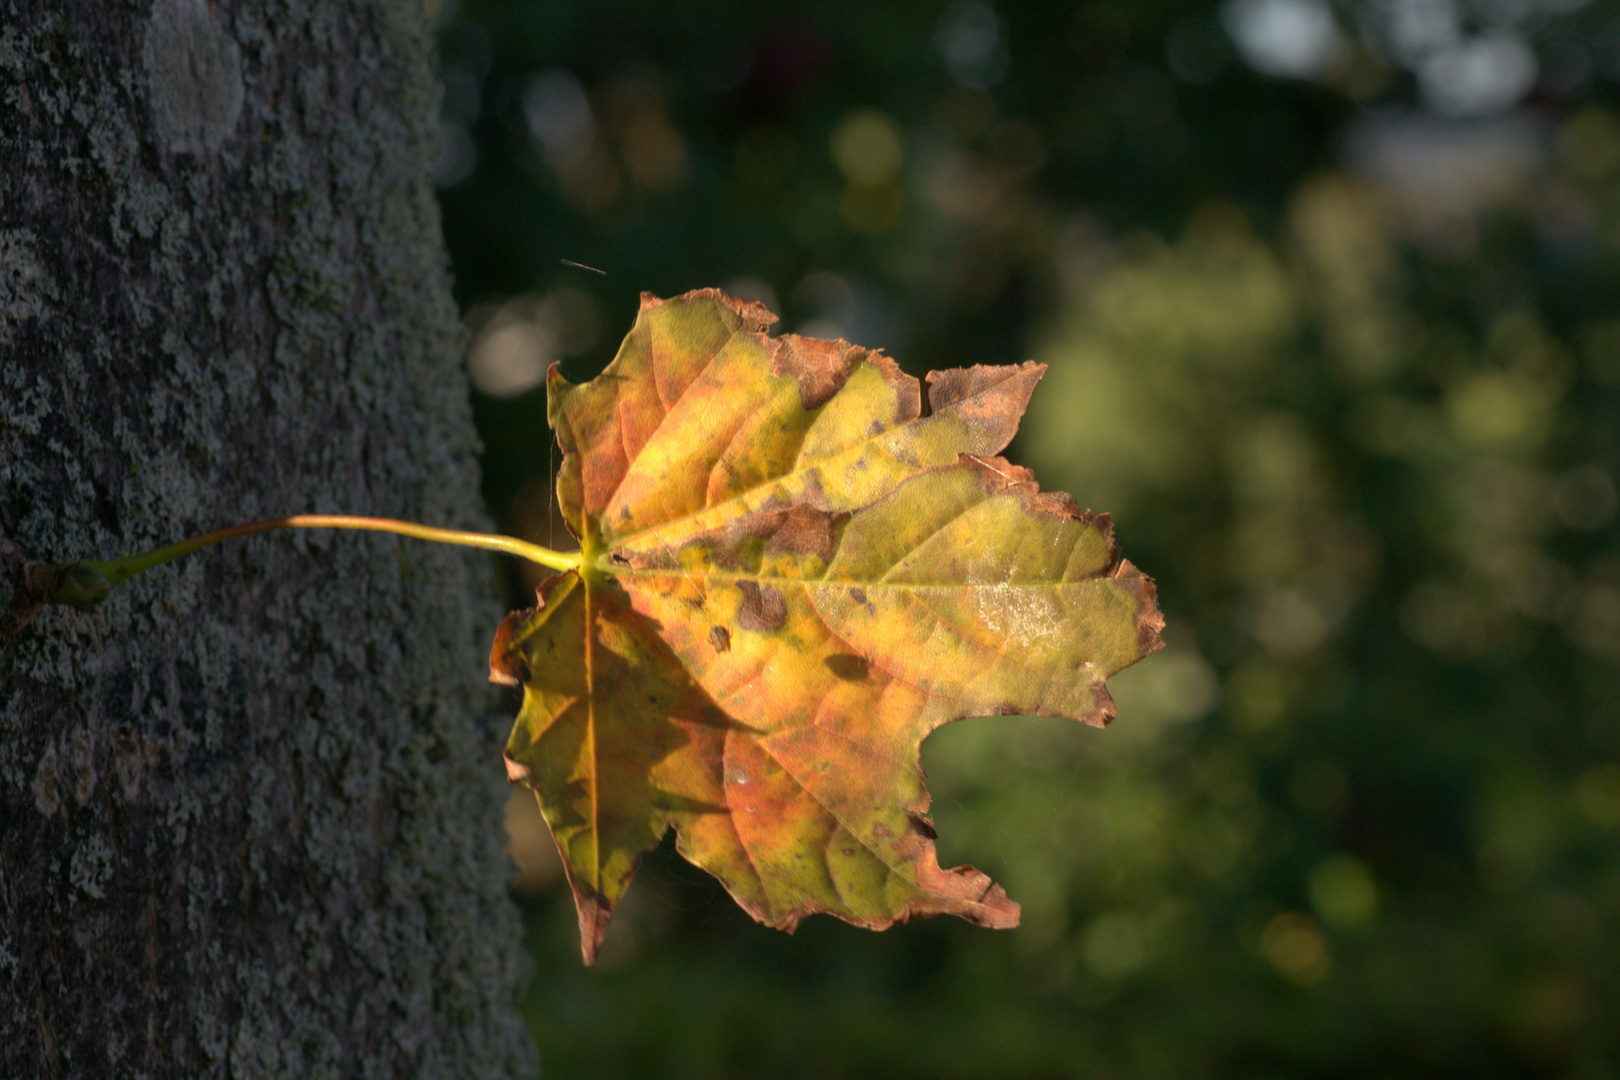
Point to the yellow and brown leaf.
(795, 566)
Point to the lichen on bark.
(252, 827)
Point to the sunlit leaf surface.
(797, 562)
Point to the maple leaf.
(793, 568)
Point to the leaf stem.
(119, 570)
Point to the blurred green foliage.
(1337, 344)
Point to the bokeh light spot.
(1294, 946)
(1343, 892)
(868, 147)
(1296, 39)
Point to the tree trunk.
(250, 808)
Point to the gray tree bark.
(250, 808)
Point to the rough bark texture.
(250, 809)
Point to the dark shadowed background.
(1330, 292)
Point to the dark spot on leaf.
(720, 638)
(924, 826)
(805, 531)
(658, 559)
(858, 595)
(763, 609)
(735, 546)
(847, 667)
